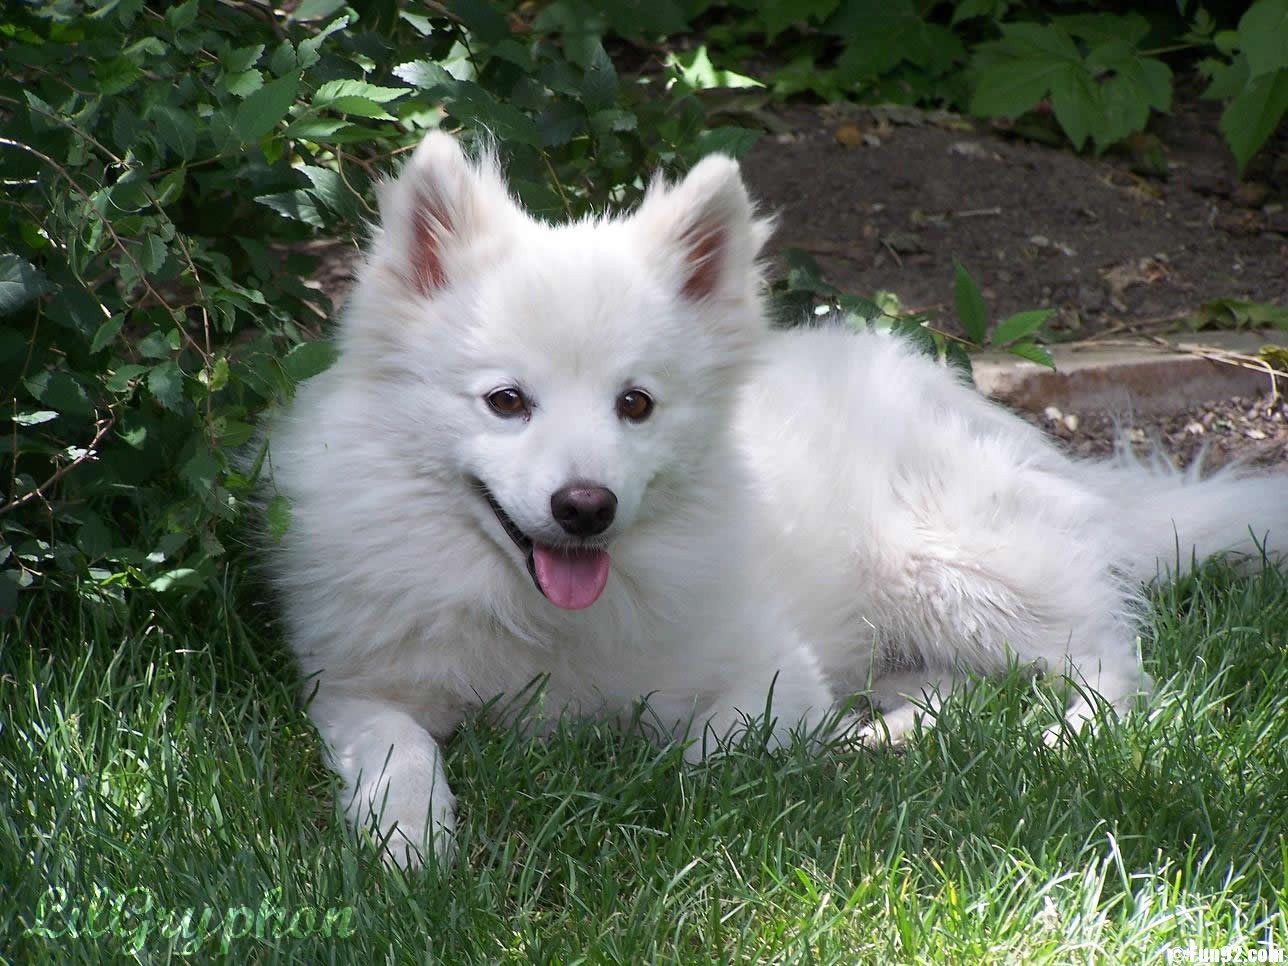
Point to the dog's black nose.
(584, 509)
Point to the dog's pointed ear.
(438, 205)
(706, 228)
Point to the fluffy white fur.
(818, 512)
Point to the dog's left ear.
(707, 230)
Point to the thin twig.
(102, 426)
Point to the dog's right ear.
(438, 205)
(706, 230)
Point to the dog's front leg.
(394, 783)
(790, 698)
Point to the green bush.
(164, 170)
(1102, 74)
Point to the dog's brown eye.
(635, 405)
(508, 402)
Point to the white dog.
(579, 452)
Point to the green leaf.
(238, 59)
(778, 15)
(261, 112)
(1254, 115)
(1101, 28)
(560, 122)
(1019, 325)
(216, 377)
(480, 107)
(58, 390)
(1010, 88)
(107, 332)
(1263, 36)
(183, 15)
(317, 128)
(1012, 74)
(116, 75)
(969, 303)
(599, 87)
(10, 580)
(330, 189)
(307, 54)
(244, 84)
(299, 205)
(308, 359)
(1075, 100)
(698, 72)
(200, 471)
(278, 517)
(1231, 313)
(93, 537)
(170, 187)
(733, 141)
(35, 418)
(1033, 352)
(152, 253)
(316, 9)
(360, 107)
(175, 129)
(424, 75)
(481, 19)
(283, 59)
(1038, 41)
(333, 91)
(20, 283)
(165, 382)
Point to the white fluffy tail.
(1168, 519)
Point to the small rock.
(1195, 429)
(1053, 414)
(1277, 221)
(1071, 421)
(1091, 297)
(1254, 434)
(849, 135)
(971, 149)
(1238, 222)
(1206, 183)
(904, 242)
(1250, 194)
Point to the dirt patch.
(884, 199)
(1251, 431)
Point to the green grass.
(158, 765)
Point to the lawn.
(163, 795)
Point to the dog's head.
(570, 378)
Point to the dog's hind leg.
(978, 614)
(1105, 676)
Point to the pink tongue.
(572, 579)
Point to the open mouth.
(570, 577)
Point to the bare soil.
(884, 199)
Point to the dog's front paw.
(407, 818)
(889, 730)
(409, 836)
